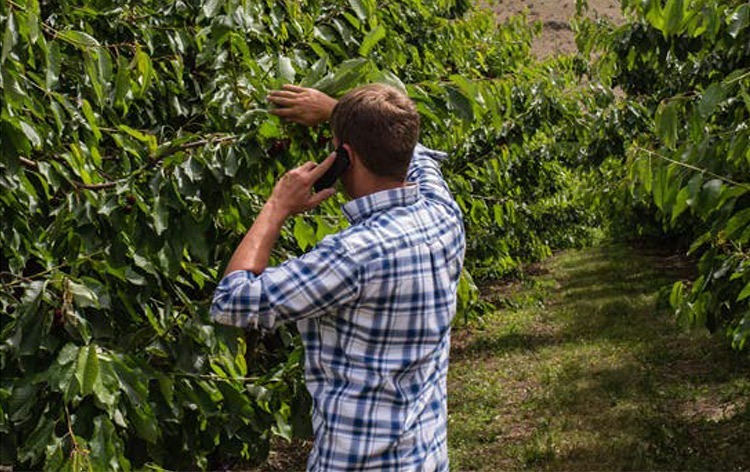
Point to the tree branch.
(155, 162)
(28, 163)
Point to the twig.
(31, 277)
(695, 168)
(737, 79)
(28, 163)
(216, 377)
(77, 449)
(155, 162)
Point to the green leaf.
(666, 123)
(166, 386)
(22, 400)
(388, 77)
(210, 7)
(106, 448)
(67, 354)
(106, 392)
(348, 74)
(737, 222)
(143, 420)
(660, 187)
(303, 233)
(673, 16)
(145, 70)
(286, 69)
(78, 38)
(680, 204)
(87, 369)
(371, 39)
(739, 150)
(36, 443)
(744, 293)
(122, 83)
(32, 24)
(145, 138)
(10, 37)
(92, 72)
(83, 296)
(359, 9)
(30, 134)
(88, 112)
(317, 72)
(644, 171)
(161, 216)
(709, 196)
(460, 103)
(739, 20)
(655, 14)
(712, 96)
(52, 74)
(103, 64)
(283, 428)
(675, 297)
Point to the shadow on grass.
(655, 398)
(656, 441)
(589, 371)
(498, 345)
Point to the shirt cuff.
(431, 153)
(236, 301)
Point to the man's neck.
(375, 185)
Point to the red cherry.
(278, 146)
(59, 319)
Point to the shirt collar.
(364, 207)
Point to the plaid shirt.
(373, 304)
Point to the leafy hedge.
(136, 150)
(685, 68)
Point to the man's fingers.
(289, 114)
(277, 96)
(282, 101)
(318, 198)
(282, 112)
(321, 168)
(293, 88)
(308, 165)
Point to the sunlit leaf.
(78, 38)
(371, 39)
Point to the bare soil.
(557, 35)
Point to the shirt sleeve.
(425, 171)
(315, 284)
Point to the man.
(373, 303)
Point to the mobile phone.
(334, 172)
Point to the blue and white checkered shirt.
(373, 305)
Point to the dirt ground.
(557, 36)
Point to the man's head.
(381, 125)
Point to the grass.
(585, 369)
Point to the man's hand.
(302, 105)
(293, 192)
(291, 195)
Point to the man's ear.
(353, 156)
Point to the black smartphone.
(340, 165)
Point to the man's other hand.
(293, 192)
(302, 105)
